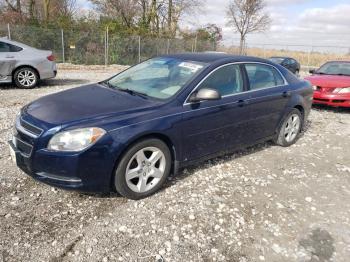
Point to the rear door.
(209, 127)
(268, 96)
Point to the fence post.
(8, 31)
(139, 49)
(105, 47)
(168, 47)
(63, 51)
(195, 43)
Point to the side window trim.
(246, 84)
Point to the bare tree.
(247, 16)
(181, 8)
(67, 8)
(124, 10)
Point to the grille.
(30, 128)
(23, 147)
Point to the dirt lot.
(265, 203)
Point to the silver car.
(24, 65)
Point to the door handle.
(286, 94)
(242, 103)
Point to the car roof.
(213, 57)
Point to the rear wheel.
(26, 78)
(289, 131)
(143, 169)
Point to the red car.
(331, 83)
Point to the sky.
(322, 23)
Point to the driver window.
(226, 80)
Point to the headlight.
(342, 90)
(75, 140)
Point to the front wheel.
(290, 129)
(26, 78)
(143, 169)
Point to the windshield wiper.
(108, 84)
(132, 92)
(126, 90)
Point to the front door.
(209, 127)
(7, 61)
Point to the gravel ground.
(265, 203)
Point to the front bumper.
(88, 171)
(330, 99)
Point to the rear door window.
(5, 48)
(263, 76)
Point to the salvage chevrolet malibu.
(130, 132)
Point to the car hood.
(329, 81)
(85, 102)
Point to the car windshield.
(335, 68)
(159, 78)
(277, 60)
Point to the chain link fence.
(99, 47)
(93, 47)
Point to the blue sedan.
(130, 132)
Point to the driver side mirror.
(205, 94)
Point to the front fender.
(166, 127)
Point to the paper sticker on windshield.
(193, 67)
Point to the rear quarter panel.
(36, 59)
(302, 96)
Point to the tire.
(287, 136)
(146, 176)
(26, 78)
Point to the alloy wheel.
(292, 127)
(145, 169)
(26, 78)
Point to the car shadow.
(49, 83)
(63, 82)
(342, 110)
(188, 171)
(211, 163)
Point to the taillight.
(51, 58)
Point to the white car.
(24, 65)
